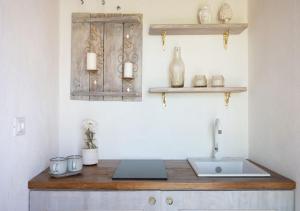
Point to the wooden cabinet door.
(94, 201)
(228, 201)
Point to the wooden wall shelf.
(225, 90)
(199, 90)
(197, 29)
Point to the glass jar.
(200, 81)
(58, 166)
(74, 163)
(177, 69)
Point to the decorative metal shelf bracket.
(164, 39)
(227, 96)
(164, 100)
(226, 39)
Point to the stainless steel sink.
(228, 167)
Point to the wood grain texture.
(133, 42)
(97, 46)
(199, 90)
(107, 18)
(80, 46)
(229, 200)
(113, 59)
(180, 177)
(108, 94)
(93, 201)
(197, 29)
(181, 200)
(103, 34)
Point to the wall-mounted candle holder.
(106, 68)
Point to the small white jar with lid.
(217, 81)
(200, 81)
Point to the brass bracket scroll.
(225, 39)
(164, 39)
(164, 100)
(227, 96)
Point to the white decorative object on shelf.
(177, 69)
(217, 81)
(204, 15)
(91, 63)
(128, 70)
(90, 154)
(200, 81)
(225, 13)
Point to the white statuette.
(128, 70)
(91, 63)
(225, 13)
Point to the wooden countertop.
(180, 177)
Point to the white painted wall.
(28, 88)
(146, 130)
(274, 97)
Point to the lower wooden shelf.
(199, 90)
(226, 90)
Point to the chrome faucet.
(217, 131)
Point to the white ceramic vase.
(89, 157)
(204, 15)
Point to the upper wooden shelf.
(199, 90)
(197, 29)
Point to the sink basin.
(229, 167)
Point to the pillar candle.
(91, 63)
(128, 70)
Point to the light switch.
(19, 126)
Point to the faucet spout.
(217, 131)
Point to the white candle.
(91, 63)
(128, 70)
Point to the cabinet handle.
(152, 200)
(169, 201)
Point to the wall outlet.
(19, 126)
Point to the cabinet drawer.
(94, 201)
(228, 200)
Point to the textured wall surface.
(274, 96)
(146, 130)
(28, 88)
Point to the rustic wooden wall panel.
(80, 42)
(115, 38)
(133, 43)
(113, 59)
(97, 46)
